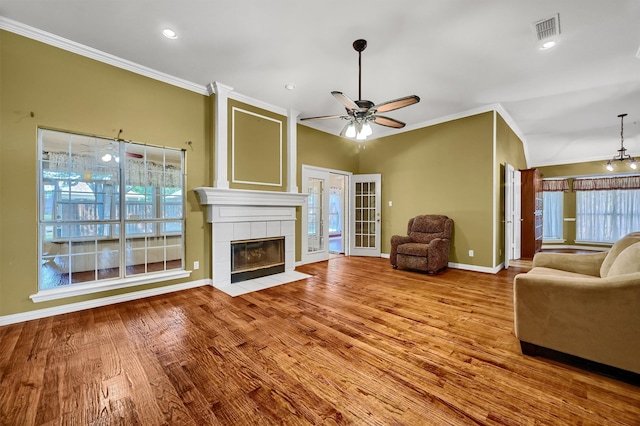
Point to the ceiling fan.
(361, 113)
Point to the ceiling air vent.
(547, 28)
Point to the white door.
(315, 216)
(365, 215)
(517, 214)
(511, 214)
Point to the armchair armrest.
(586, 264)
(593, 318)
(438, 253)
(396, 240)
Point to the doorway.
(338, 185)
(341, 215)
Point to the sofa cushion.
(627, 262)
(551, 272)
(616, 249)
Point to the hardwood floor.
(359, 343)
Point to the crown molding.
(98, 55)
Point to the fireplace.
(256, 258)
(243, 216)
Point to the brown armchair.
(426, 245)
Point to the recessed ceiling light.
(169, 33)
(547, 45)
(290, 86)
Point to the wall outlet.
(390, 203)
(196, 264)
(470, 253)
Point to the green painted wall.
(69, 92)
(443, 169)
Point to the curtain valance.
(555, 185)
(137, 172)
(607, 184)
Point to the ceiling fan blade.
(345, 100)
(396, 103)
(388, 122)
(324, 117)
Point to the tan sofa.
(586, 305)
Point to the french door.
(315, 217)
(365, 215)
(363, 200)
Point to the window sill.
(553, 240)
(82, 289)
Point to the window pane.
(552, 216)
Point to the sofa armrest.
(396, 240)
(593, 318)
(587, 264)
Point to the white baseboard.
(95, 303)
(476, 268)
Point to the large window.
(108, 209)
(607, 209)
(607, 216)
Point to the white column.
(221, 134)
(292, 150)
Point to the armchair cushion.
(414, 249)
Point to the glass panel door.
(315, 215)
(315, 235)
(365, 229)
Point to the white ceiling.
(457, 55)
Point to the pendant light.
(622, 152)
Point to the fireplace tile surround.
(243, 215)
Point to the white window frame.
(158, 223)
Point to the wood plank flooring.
(357, 344)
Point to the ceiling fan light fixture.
(361, 113)
(351, 131)
(366, 129)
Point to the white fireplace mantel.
(243, 197)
